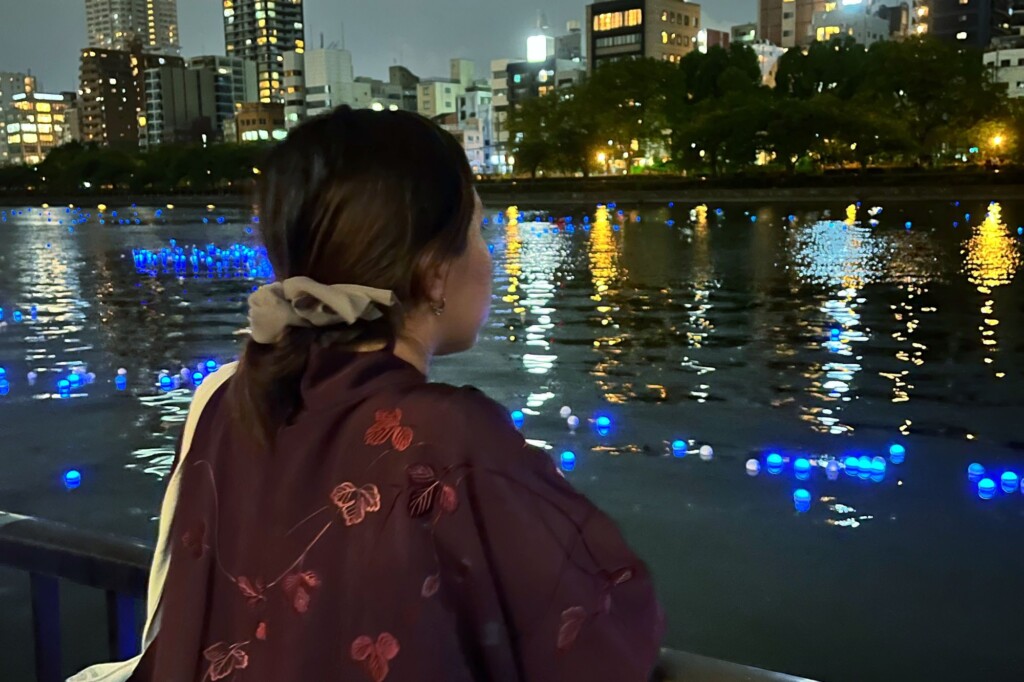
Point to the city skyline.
(425, 40)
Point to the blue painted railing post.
(46, 627)
(122, 626)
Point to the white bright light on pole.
(537, 49)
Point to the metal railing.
(50, 552)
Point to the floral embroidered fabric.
(399, 531)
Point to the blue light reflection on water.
(718, 327)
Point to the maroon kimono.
(399, 531)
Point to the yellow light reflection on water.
(991, 259)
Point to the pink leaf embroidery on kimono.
(572, 622)
(261, 631)
(299, 587)
(388, 424)
(430, 586)
(355, 503)
(225, 659)
(253, 592)
(194, 540)
(449, 499)
(421, 498)
(375, 655)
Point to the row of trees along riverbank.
(919, 102)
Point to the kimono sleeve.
(574, 600)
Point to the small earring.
(439, 309)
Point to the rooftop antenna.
(321, 40)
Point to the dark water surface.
(716, 331)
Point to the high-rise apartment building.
(263, 31)
(634, 29)
(112, 93)
(147, 25)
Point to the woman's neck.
(413, 351)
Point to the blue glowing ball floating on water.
(166, 382)
(3, 373)
(975, 471)
(986, 488)
(802, 468)
(603, 425)
(864, 466)
(802, 500)
(121, 382)
(197, 378)
(518, 418)
(897, 453)
(211, 366)
(1009, 482)
(5, 387)
(852, 465)
(753, 467)
(774, 463)
(679, 448)
(568, 460)
(835, 333)
(72, 479)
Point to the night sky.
(44, 36)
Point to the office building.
(633, 29)
(181, 106)
(112, 93)
(11, 84)
(408, 82)
(262, 31)
(438, 96)
(974, 23)
(501, 157)
(856, 21)
(1006, 60)
(709, 37)
(146, 25)
(569, 46)
(34, 124)
(788, 23)
(527, 80)
(475, 121)
(234, 83)
(256, 122)
(316, 81)
(743, 33)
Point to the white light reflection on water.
(842, 256)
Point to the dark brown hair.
(351, 197)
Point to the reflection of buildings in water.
(532, 254)
(991, 259)
(49, 276)
(842, 257)
(603, 253)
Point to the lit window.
(962, 35)
(664, 38)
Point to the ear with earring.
(438, 309)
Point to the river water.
(813, 331)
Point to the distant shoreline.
(634, 191)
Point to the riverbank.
(1006, 184)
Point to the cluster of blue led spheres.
(1009, 482)
(863, 467)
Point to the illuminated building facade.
(149, 25)
(855, 21)
(111, 93)
(262, 31)
(234, 82)
(256, 122)
(636, 29)
(34, 125)
(11, 84)
(972, 23)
